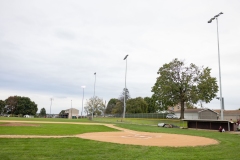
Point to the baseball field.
(84, 139)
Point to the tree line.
(17, 105)
(96, 106)
(134, 105)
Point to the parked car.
(171, 116)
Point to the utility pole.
(51, 99)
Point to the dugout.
(210, 124)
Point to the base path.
(125, 136)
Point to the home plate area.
(138, 136)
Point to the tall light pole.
(71, 110)
(124, 108)
(94, 95)
(219, 66)
(82, 99)
(51, 99)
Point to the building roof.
(207, 120)
(195, 110)
(189, 111)
(229, 112)
(209, 110)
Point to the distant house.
(198, 114)
(71, 113)
(174, 108)
(229, 114)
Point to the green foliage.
(115, 106)
(190, 106)
(11, 104)
(26, 106)
(207, 86)
(151, 104)
(178, 84)
(136, 105)
(118, 108)
(42, 112)
(110, 106)
(2, 105)
(20, 105)
(61, 113)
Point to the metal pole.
(50, 107)
(71, 110)
(82, 101)
(104, 109)
(219, 64)
(51, 99)
(124, 108)
(94, 95)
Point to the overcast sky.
(49, 49)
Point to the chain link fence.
(140, 115)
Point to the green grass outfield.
(76, 148)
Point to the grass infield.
(76, 148)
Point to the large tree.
(20, 105)
(95, 105)
(178, 83)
